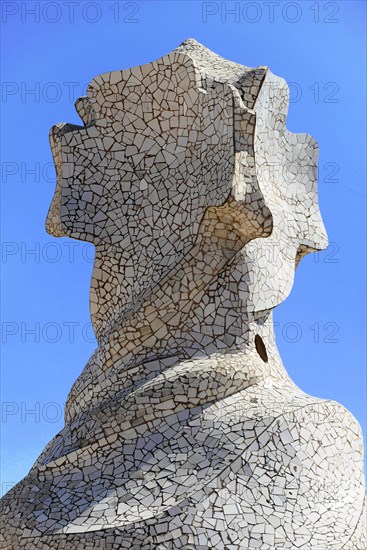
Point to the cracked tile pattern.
(184, 430)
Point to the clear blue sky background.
(318, 46)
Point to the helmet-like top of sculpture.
(161, 144)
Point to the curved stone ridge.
(184, 429)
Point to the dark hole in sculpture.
(260, 348)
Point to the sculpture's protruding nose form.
(53, 221)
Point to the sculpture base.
(264, 468)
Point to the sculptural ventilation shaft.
(184, 429)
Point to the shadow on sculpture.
(184, 429)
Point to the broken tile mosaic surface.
(184, 429)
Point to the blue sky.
(50, 53)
